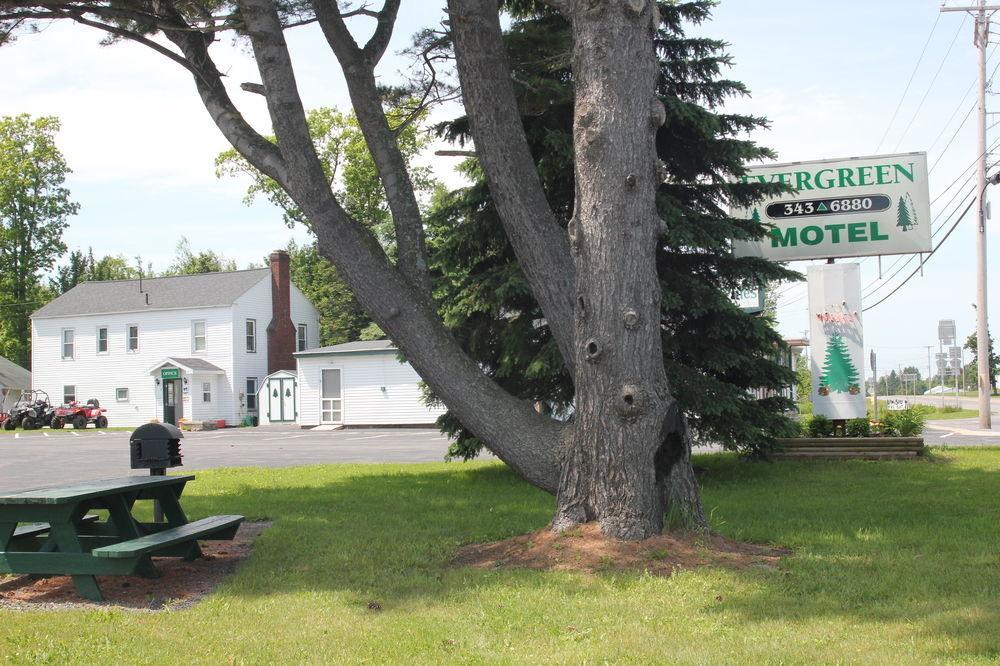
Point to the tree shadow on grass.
(909, 543)
(914, 543)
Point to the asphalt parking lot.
(40, 458)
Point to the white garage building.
(354, 384)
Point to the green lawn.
(894, 562)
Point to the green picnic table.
(52, 532)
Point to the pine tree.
(903, 215)
(839, 373)
(713, 352)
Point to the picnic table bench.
(51, 531)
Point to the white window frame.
(67, 394)
(63, 344)
(256, 388)
(128, 338)
(302, 337)
(195, 336)
(206, 392)
(107, 340)
(118, 394)
(250, 336)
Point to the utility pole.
(981, 39)
(929, 347)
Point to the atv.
(80, 415)
(32, 410)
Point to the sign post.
(871, 357)
(836, 341)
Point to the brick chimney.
(281, 330)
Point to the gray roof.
(203, 290)
(351, 347)
(196, 363)
(13, 376)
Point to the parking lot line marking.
(17, 435)
(45, 434)
(948, 435)
(75, 434)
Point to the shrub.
(859, 428)
(819, 426)
(905, 423)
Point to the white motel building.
(216, 347)
(193, 347)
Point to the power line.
(910, 276)
(908, 83)
(931, 86)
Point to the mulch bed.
(180, 585)
(586, 549)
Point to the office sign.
(855, 207)
(170, 373)
(836, 341)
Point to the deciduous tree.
(35, 207)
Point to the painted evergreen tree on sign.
(903, 219)
(839, 373)
(755, 216)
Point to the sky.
(830, 77)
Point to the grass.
(894, 562)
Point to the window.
(251, 393)
(251, 335)
(69, 394)
(198, 336)
(132, 341)
(302, 339)
(121, 394)
(67, 343)
(102, 339)
(206, 391)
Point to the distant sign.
(896, 404)
(170, 373)
(751, 301)
(855, 207)
(946, 331)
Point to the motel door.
(170, 399)
(332, 400)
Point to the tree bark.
(623, 402)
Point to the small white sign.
(896, 404)
(854, 207)
(836, 341)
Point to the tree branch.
(541, 245)
(510, 426)
(359, 71)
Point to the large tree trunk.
(609, 470)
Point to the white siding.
(256, 304)
(162, 334)
(364, 375)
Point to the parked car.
(79, 415)
(934, 390)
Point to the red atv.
(80, 415)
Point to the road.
(33, 459)
(949, 399)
